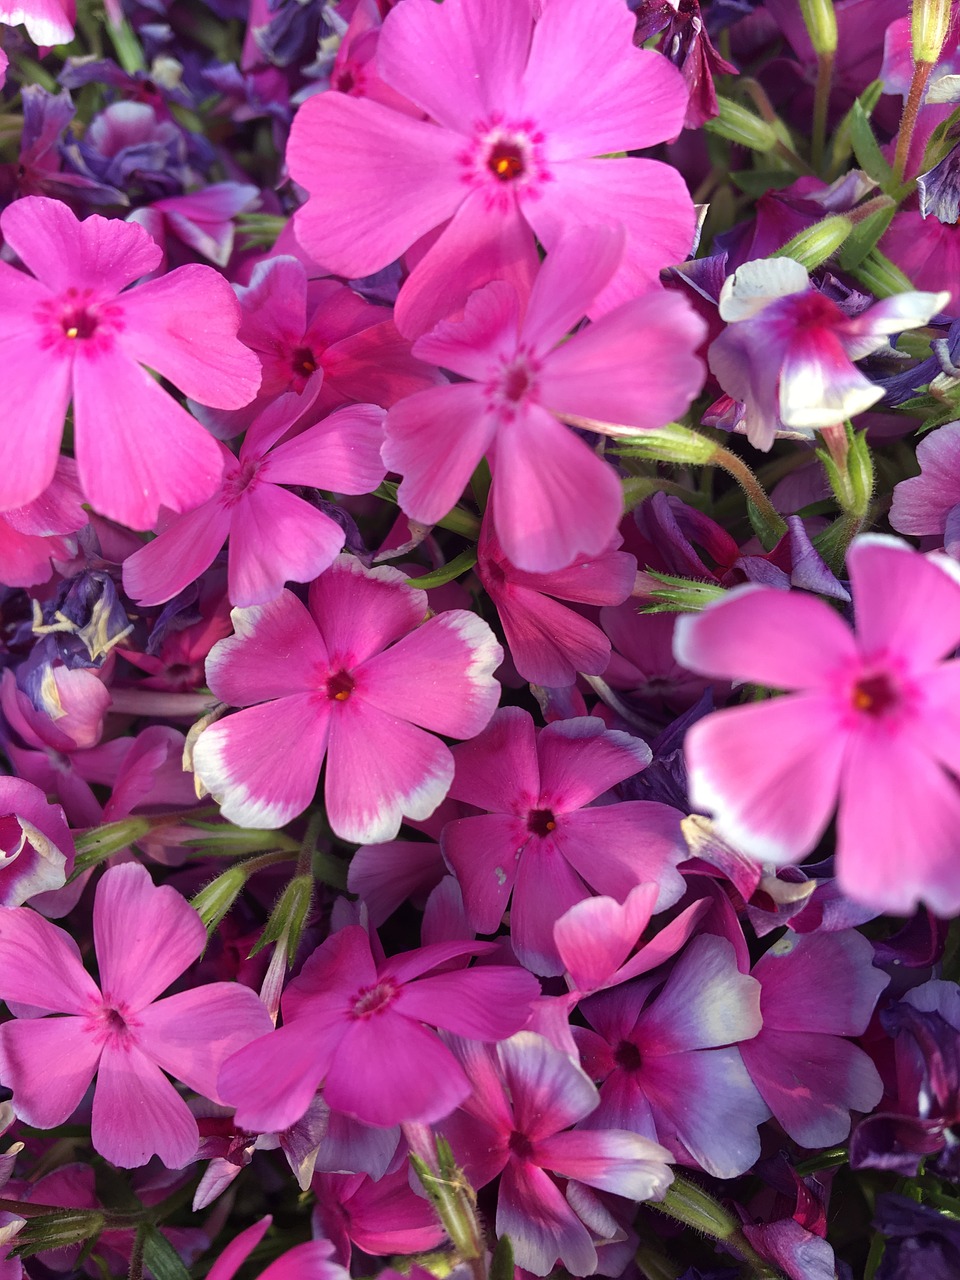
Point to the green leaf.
(757, 182)
(867, 149)
(501, 1264)
(447, 572)
(865, 236)
(161, 1258)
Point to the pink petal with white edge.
(341, 453)
(186, 547)
(48, 22)
(581, 758)
(102, 254)
(819, 387)
(40, 965)
(769, 772)
(275, 650)
(647, 197)
(275, 538)
(893, 586)
(477, 342)
(784, 639)
(596, 935)
(541, 1225)
(405, 772)
(625, 1164)
(596, 374)
(424, 1081)
(922, 503)
(360, 611)
(137, 450)
(896, 831)
(798, 967)
(145, 935)
(487, 1002)
(581, 264)
(137, 1113)
(412, 166)
(483, 853)
(434, 440)
(499, 770)
(184, 325)
(447, 63)
(48, 1063)
(36, 389)
(439, 677)
(625, 98)
(262, 765)
(862, 334)
(552, 498)
(191, 1034)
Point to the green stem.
(135, 1271)
(821, 104)
(772, 524)
(908, 121)
(688, 1203)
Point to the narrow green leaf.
(866, 148)
(161, 1258)
(865, 236)
(447, 572)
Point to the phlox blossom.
(47, 21)
(312, 1260)
(359, 678)
(75, 331)
(145, 938)
(36, 847)
(870, 725)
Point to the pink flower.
(788, 350)
(358, 678)
(145, 938)
(928, 503)
(75, 332)
(47, 22)
(311, 1260)
(274, 536)
(522, 109)
(380, 1217)
(541, 840)
(552, 498)
(357, 1026)
(36, 847)
(870, 722)
(32, 534)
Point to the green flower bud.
(737, 124)
(816, 244)
(821, 22)
(215, 899)
(929, 27)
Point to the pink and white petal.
(479, 341)
(896, 830)
(40, 965)
(185, 549)
(745, 359)
(341, 453)
(576, 269)
(618, 846)
(360, 611)
(548, 642)
(596, 374)
(439, 677)
(625, 1164)
(706, 1002)
(48, 1063)
(581, 758)
(405, 772)
(893, 585)
(648, 197)
(184, 326)
(444, 61)
(910, 310)
(541, 1225)
(550, 1091)
(48, 22)
(230, 1259)
(424, 1082)
(145, 936)
(101, 254)
(434, 440)
(596, 935)
(546, 887)
(552, 497)
(412, 166)
(499, 770)
(273, 1080)
(795, 972)
(191, 1034)
(137, 1113)
(755, 284)
(137, 450)
(626, 98)
(483, 854)
(812, 1082)
(262, 765)
(275, 650)
(487, 1002)
(275, 538)
(819, 387)
(36, 389)
(784, 639)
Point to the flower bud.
(929, 28)
(672, 443)
(821, 22)
(816, 244)
(737, 124)
(215, 899)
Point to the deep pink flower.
(47, 21)
(870, 722)
(76, 332)
(274, 536)
(522, 110)
(542, 840)
(358, 1027)
(552, 498)
(380, 1217)
(312, 1260)
(36, 847)
(34, 533)
(145, 938)
(360, 679)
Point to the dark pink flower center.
(239, 479)
(340, 685)
(373, 1000)
(540, 822)
(112, 1023)
(506, 161)
(874, 695)
(304, 362)
(627, 1056)
(79, 323)
(520, 1145)
(517, 382)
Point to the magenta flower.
(539, 840)
(552, 498)
(870, 722)
(36, 847)
(381, 1217)
(145, 938)
(75, 332)
(32, 534)
(357, 1026)
(788, 350)
(312, 1260)
(274, 536)
(47, 21)
(930, 502)
(522, 110)
(518, 1120)
(358, 678)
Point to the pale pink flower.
(930, 502)
(47, 22)
(870, 723)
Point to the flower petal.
(275, 650)
(186, 548)
(137, 1113)
(40, 965)
(625, 1164)
(276, 537)
(48, 1063)
(36, 389)
(541, 1225)
(360, 611)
